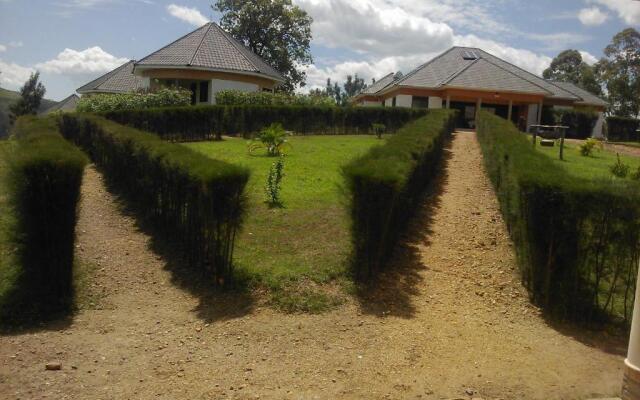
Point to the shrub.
(131, 101)
(386, 184)
(204, 122)
(620, 129)
(580, 122)
(586, 148)
(188, 200)
(273, 138)
(235, 98)
(619, 169)
(576, 239)
(378, 130)
(274, 181)
(45, 174)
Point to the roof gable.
(586, 97)
(120, 80)
(210, 47)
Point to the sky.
(74, 41)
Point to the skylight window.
(469, 55)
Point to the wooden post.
(562, 130)
(631, 383)
(534, 134)
(510, 107)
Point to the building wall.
(532, 115)
(190, 74)
(435, 102)
(404, 100)
(597, 129)
(218, 85)
(369, 103)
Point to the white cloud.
(17, 43)
(13, 76)
(592, 16)
(89, 61)
(558, 40)
(187, 14)
(588, 57)
(3, 48)
(627, 10)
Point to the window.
(420, 102)
(393, 103)
(204, 92)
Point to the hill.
(8, 97)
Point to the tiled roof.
(120, 80)
(587, 97)
(210, 47)
(379, 84)
(68, 104)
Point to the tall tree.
(276, 30)
(341, 94)
(620, 72)
(31, 94)
(568, 66)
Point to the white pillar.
(509, 112)
(448, 101)
(631, 384)
(539, 112)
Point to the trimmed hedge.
(577, 240)
(236, 97)
(103, 102)
(44, 178)
(189, 200)
(620, 129)
(386, 184)
(580, 122)
(204, 122)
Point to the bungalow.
(469, 79)
(205, 61)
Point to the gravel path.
(452, 321)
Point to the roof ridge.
(461, 70)
(200, 44)
(235, 43)
(415, 70)
(524, 79)
(175, 41)
(106, 76)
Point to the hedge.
(580, 122)
(386, 184)
(577, 240)
(236, 97)
(103, 102)
(204, 122)
(192, 202)
(620, 129)
(44, 178)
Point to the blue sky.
(74, 41)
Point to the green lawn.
(294, 249)
(592, 167)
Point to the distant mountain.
(8, 97)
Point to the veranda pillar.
(631, 384)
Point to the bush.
(620, 129)
(620, 169)
(188, 200)
(580, 122)
(45, 174)
(236, 98)
(272, 138)
(133, 101)
(274, 183)
(576, 239)
(586, 148)
(385, 186)
(205, 122)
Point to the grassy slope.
(7, 268)
(289, 249)
(8, 97)
(595, 166)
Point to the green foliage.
(636, 175)
(378, 130)
(193, 202)
(273, 138)
(385, 186)
(568, 66)
(201, 122)
(237, 98)
(132, 101)
(43, 187)
(621, 129)
(620, 169)
(580, 122)
(576, 238)
(275, 30)
(586, 148)
(274, 182)
(31, 94)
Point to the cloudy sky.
(73, 41)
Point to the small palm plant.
(272, 138)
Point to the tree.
(568, 66)
(31, 94)
(276, 30)
(341, 94)
(619, 70)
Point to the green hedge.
(190, 201)
(104, 102)
(620, 129)
(577, 240)
(205, 122)
(44, 178)
(386, 184)
(580, 122)
(235, 98)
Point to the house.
(66, 105)
(204, 61)
(468, 79)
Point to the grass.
(8, 270)
(596, 166)
(295, 249)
